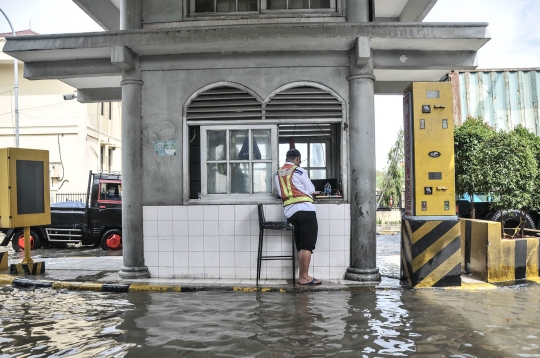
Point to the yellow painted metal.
(433, 148)
(27, 258)
(532, 257)
(3, 260)
(436, 248)
(134, 287)
(9, 216)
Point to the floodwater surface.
(379, 323)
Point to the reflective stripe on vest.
(289, 193)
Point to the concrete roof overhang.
(431, 49)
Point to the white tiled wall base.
(221, 241)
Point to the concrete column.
(131, 14)
(132, 210)
(358, 10)
(362, 172)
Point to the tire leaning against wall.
(512, 218)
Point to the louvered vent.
(305, 130)
(224, 103)
(303, 102)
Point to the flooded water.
(48, 323)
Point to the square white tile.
(273, 212)
(165, 228)
(154, 271)
(211, 243)
(180, 228)
(227, 259)
(211, 213)
(242, 272)
(181, 259)
(196, 272)
(322, 211)
(226, 213)
(150, 228)
(181, 244)
(242, 213)
(151, 243)
(337, 273)
(166, 259)
(166, 245)
(150, 213)
(179, 212)
(253, 213)
(211, 259)
(321, 258)
(196, 244)
(151, 258)
(196, 259)
(195, 228)
(242, 243)
(211, 273)
(243, 259)
(226, 228)
(181, 271)
(323, 243)
(164, 212)
(337, 258)
(211, 228)
(195, 213)
(321, 273)
(226, 243)
(337, 212)
(227, 272)
(242, 228)
(323, 226)
(337, 243)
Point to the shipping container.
(505, 98)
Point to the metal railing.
(61, 197)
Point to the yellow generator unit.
(24, 188)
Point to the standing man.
(296, 190)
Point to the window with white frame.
(255, 6)
(238, 159)
(314, 158)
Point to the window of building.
(314, 159)
(238, 159)
(209, 6)
(300, 4)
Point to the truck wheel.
(17, 240)
(512, 218)
(112, 240)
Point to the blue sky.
(514, 28)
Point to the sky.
(514, 26)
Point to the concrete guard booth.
(214, 92)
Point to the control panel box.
(24, 187)
(429, 149)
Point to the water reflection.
(228, 324)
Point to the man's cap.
(293, 153)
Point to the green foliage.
(509, 169)
(393, 179)
(468, 139)
(533, 142)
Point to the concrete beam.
(362, 51)
(96, 95)
(428, 60)
(123, 57)
(416, 10)
(390, 87)
(101, 11)
(70, 69)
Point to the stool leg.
(293, 261)
(259, 255)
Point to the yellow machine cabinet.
(24, 188)
(429, 149)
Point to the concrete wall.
(166, 89)
(162, 11)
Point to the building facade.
(79, 137)
(214, 92)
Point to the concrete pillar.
(131, 14)
(362, 172)
(358, 10)
(132, 211)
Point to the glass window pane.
(239, 145)
(317, 174)
(247, 5)
(317, 154)
(215, 145)
(204, 5)
(225, 5)
(320, 4)
(217, 178)
(302, 148)
(276, 4)
(262, 177)
(298, 4)
(262, 144)
(240, 178)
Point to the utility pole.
(16, 71)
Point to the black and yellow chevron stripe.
(431, 253)
(34, 268)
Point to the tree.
(468, 139)
(509, 169)
(394, 177)
(533, 142)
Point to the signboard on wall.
(166, 148)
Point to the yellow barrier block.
(3, 261)
(145, 287)
(6, 279)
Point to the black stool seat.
(273, 225)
